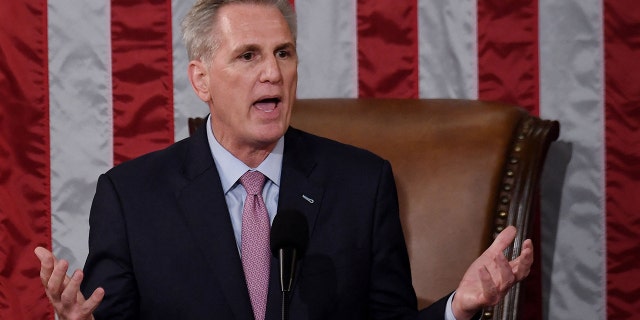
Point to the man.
(168, 238)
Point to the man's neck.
(250, 154)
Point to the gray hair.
(197, 26)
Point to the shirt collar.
(231, 168)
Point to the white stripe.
(448, 49)
(80, 118)
(571, 72)
(327, 49)
(185, 102)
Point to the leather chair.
(464, 170)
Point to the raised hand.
(64, 291)
(490, 277)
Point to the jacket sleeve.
(392, 295)
(108, 264)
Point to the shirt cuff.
(448, 313)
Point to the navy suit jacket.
(161, 242)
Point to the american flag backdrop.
(85, 85)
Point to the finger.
(57, 279)
(502, 241)
(43, 254)
(521, 266)
(94, 300)
(489, 289)
(71, 293)
(500, 271)
(46, 264)
(507, 278)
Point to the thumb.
(503, 240)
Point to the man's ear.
(199, 80)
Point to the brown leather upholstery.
(464, 170)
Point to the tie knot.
(253, 181)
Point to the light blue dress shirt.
(231, 169)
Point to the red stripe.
(508, 52)
(142, 77)
(25, 199)
(388, 48)
(508, 72)
(622, 134)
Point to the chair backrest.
(464, 170)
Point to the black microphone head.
(289, 230)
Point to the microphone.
(289, 238)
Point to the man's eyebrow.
(246, 47)
(255, 47)
(286, 45)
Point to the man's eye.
(283, 54)
(247, 56)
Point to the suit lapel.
(204, 208)
(297, 192)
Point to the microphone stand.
(287, 258)
(285, 305)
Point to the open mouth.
(267, 104)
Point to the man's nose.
(271, 70)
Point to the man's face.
(251, 80)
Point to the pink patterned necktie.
(256, 256)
